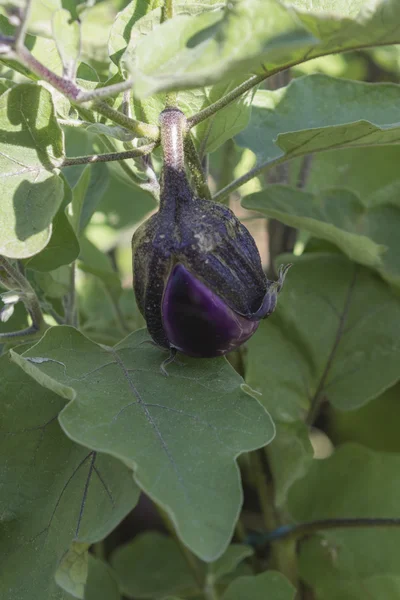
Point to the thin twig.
(20, 32)
(112, 156)
(304, 529)
(196, 168)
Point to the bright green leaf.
(256, 34)
(31, 144)
(53, 491)
(185, 431)
(193, 51)
(304, 117)
(322, 341)
(66, 33)
(270, 584)
(72, 572)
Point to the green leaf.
(66, 33)
(121, 29)
(378, 586)
(153, 566)
(303, 117)
(87, 195)
(353, 483)
(254, 34)
(322, 341)
(364, 171)
(193, 51)
(31, 144)
(290, 455)
(270, 584)
(62, 249)
(53, 491)
(101, 583)
(374, 425)
(185, 431)
(366, 234)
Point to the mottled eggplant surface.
(198, 277)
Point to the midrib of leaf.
(315, 402)
(149, 418)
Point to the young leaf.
(353, 483)
(322, 343)
(72, 572)
(367, 235)
(53, 491)
(181, 434)
(31, 146)
(66, 33)
(303, 117)
(270, 584)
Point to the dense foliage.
(274, 472)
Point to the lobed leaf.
(180, 434)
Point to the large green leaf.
(153, 566)
(31, 145)
(365, 171)
(52, 490)
(353, 483)
(333, 337)
(368, 235)
(254, 34)
(270, 584)
(181, 434)
(304, 117)
(193, 51)
(87, 195)
(66, 33)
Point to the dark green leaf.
(322, 341)
(353, 483)
(53, 491)
(101, 583)
(181, 434)
(270, 584)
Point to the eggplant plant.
(161, 438)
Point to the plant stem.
(225, 100)
(196, 168)
(77, 96)
(305, 529)
(191, 560)
(168, 13)
(237, 183)
(284, 557)
(71, 313)
(19, 36)
(112, 156)
(28, 297)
